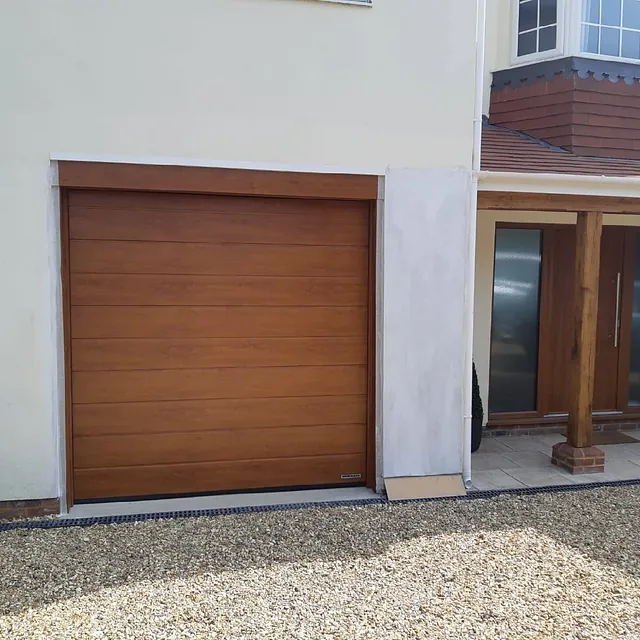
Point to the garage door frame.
(217, 181)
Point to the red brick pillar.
(578, 459)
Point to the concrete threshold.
(229, 501)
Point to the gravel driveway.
(564, 565)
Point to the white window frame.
(569, 37)
(577, 42)
(558, 52)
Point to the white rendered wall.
(296, 82)
(425, 246)
(291, 81)
(498, 45)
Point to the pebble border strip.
(226, 511)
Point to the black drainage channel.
(64, 523)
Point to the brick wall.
(537, 429)
(14, 509)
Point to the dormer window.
(545, 29)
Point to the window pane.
(528, 15)
(610, 41)
(548, 12)
(514, 335)
(631, 16)
(590, 39)
(527, 43)
(547, 39)
(612, 12)
(591, 11)
(634, 373)
(631, 44)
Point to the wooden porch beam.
(583, 349)
(556, 202)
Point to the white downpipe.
(473, 224)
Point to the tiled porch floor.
(513, 462)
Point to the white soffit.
(560, 183)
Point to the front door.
(557, 321)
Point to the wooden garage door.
(217, 343)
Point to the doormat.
(611, 437)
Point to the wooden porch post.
(578, 454)
(583, 350)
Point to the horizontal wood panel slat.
(583, 105)
(212, 446)
(513, 102)
(208, 477)
(609, 152)
(94, 256)
(605, 135)
(527, 112)
(134, 201)
(91, 387)
(203, 353)
(217, 322)
(595, 119)
(169, 290)
(599, 140)
(196, 226)
(178, 179)
(606, 99)
(200, 415)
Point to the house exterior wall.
(293, 83)
(498, 44)
(485, 239)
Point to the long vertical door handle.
(617, 328)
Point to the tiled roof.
(512, 151)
